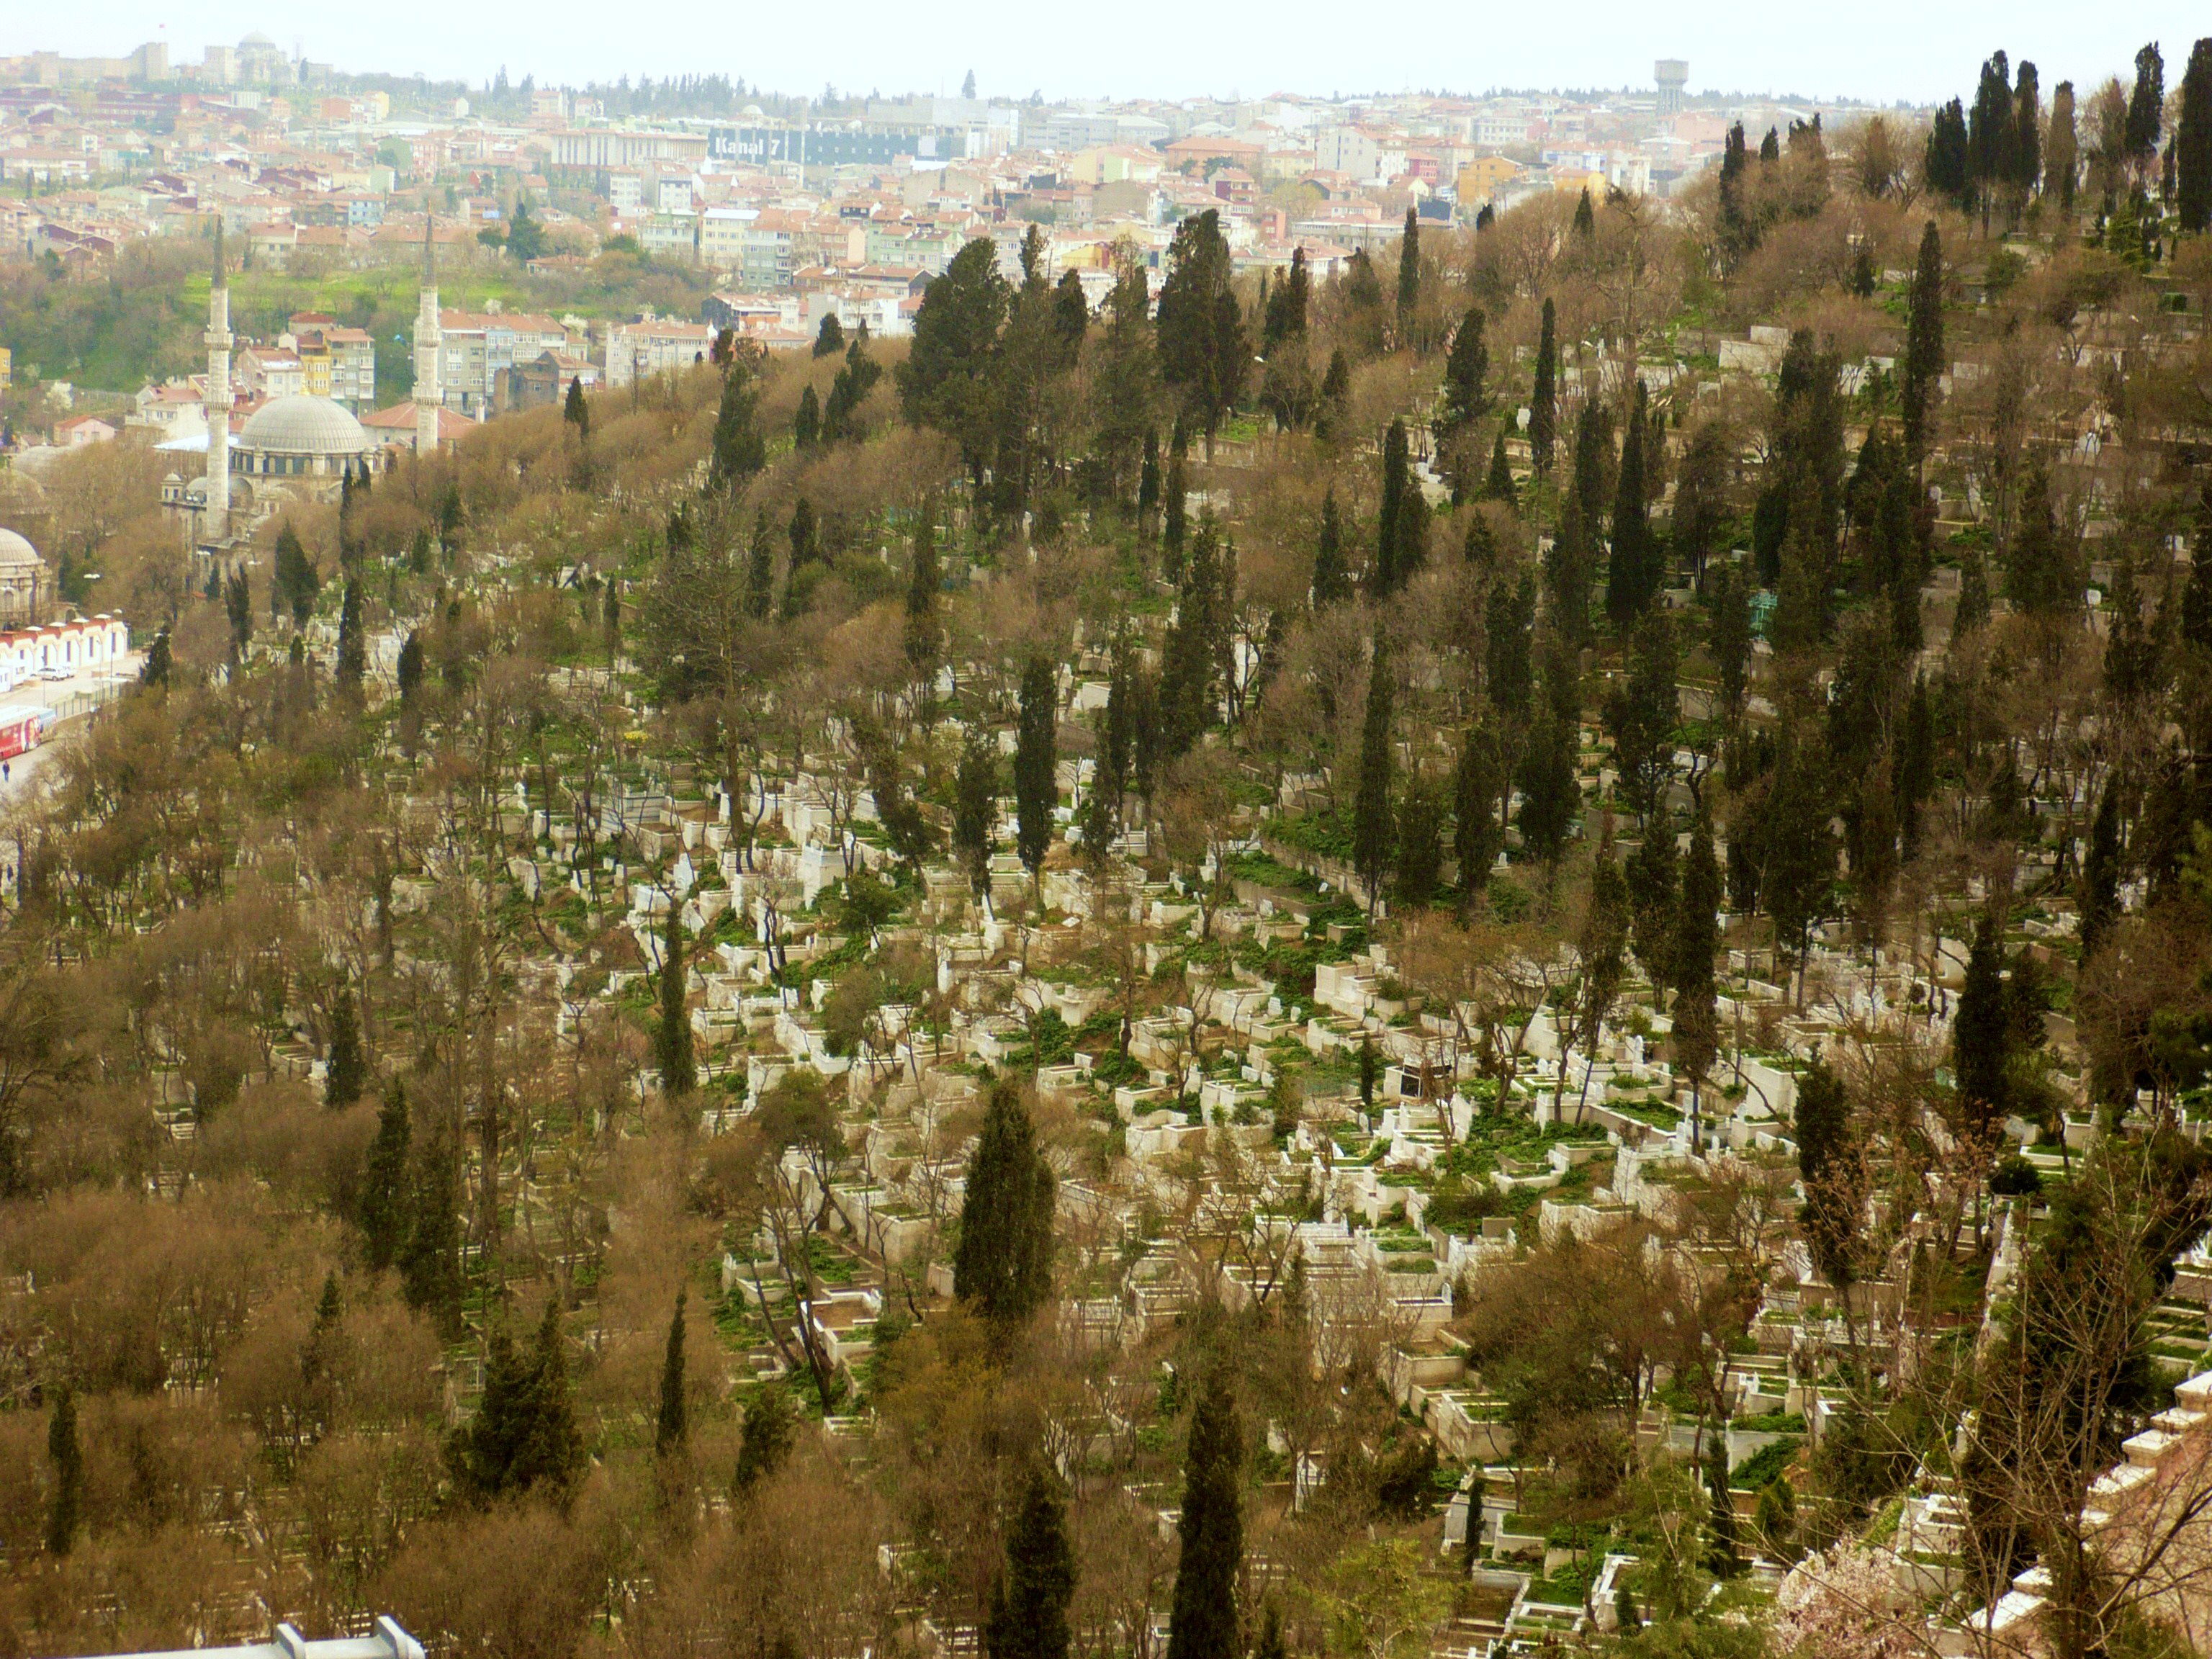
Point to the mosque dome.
(304, 425)
(16, 553)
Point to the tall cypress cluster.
(1202, 1620)
(1003, 1263)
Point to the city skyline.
(1210, 52)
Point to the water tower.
(1673, 75)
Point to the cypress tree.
(1544, 401)
(1202, 1620)
(1003, 1260)
(737, 450)
(829, 337)
(806, 421)
(383, 1214)
(1499, 486)
(1420, 850)
(765, 1439)
(1631, 582)
(1586, 215)
(2062, 158)
(1467, 373)
(804, 544)
(1174, 507)
(345, 1071)
(671, 1430)
(1721, 1558)
(2192, 143)
(1549, 793)
(2039, 577)
(1397, 484)
(2100, 871)
(1332, 582)
(1480, 548)
(976, 808)
(1036, 761)
(1148, 486)
(1028, 1617)
(1478, 791)
(1409, 276)
(1916, 767)
(1335, 396)
(2027, 130)
(1980, 1033)
(1730, 642)
(1371, 827)
(924, 634)
(1923, 345)
(238, 604)
(484, 1455)
(1509, 615)
(65, 1503)
(430, 1260)
(1974, 606)
(1697, 1022)
(760, 569)
(552, 1452)
(410, 669)
(295, 579)
(672, 1035)
(576, 412)
(1371, 1070)
(2146, 105)
(156, 671)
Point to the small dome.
(257, 39)
(304, 425)
(16, 553)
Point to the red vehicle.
(20, 726)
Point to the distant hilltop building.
(1672, 74)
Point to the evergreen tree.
(1916, 767)
(1697, 937)
(1174, 506)
(765, 1440)
(1335, 396)
(1466, 390)
(552, 1453)
(1371, 837)
(1632, 581)
(1549, 792)
(1204, 354)
(1409, 276)
(760, 569)
(66, 1501)
(1544, 402)
(2101, 871)
(1332, 582)
(671, 1033)
(1478, 792)
(384, 1195)
(576, 412)
(976, 808)
(156, 668)
(1401, 527)
(737, 450)
(2038, 576)
(830, 339)
(1585, 217)
(1028, 1617)
(345, 1070)
(1643, 712)
(1730, 642)
(237, 603)
(2062, 150)
(925, 637)
(1037, 762)
(1002, 1262)
(802, 536)
(430, 1261)
(1797, 876)
(671, 1430)
(1509, 617)
(295, 581)
(1948, 166)
(1923, 345)
(1480, 548)
(1148, 485)
(1371, 1071)
(2147, 105)
(1721, 1558)
(353, 642)
(1497, 486)
(2027, 130)
(949, 380)
(2192, 143)
(806, 422)
(1420, 848)
(1202, 1621)
(1979, 1035)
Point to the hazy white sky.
(1878, 49)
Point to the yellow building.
(1573, 181)
(1484, 177)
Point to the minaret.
(217, 524)
(430, 349)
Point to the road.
(24, 770)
